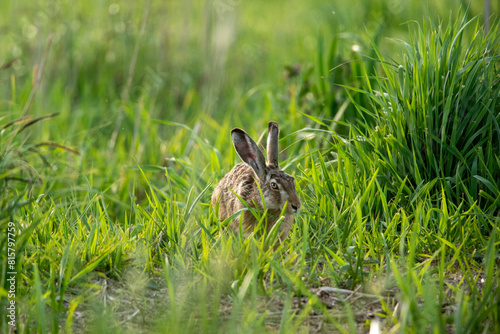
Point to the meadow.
(115, 122)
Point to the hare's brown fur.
(278, 188)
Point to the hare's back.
(241, 179)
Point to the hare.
(278, 188)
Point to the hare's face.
(278, 189)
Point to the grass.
(108, 157)
(435, 117)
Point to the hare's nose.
(294, 208)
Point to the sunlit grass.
(122, 238)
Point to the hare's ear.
(249, 152)
(272, 144)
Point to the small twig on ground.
(327, 289)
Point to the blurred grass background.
(215, 62)
(147, 93)
(191, 53)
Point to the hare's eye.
(274, 185)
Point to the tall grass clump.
(436, 115)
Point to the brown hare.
(278, 188)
